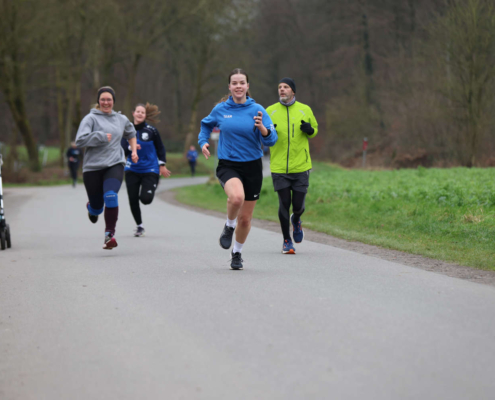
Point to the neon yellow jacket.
(291, 152)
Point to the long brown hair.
(234, 72)
(152, 112)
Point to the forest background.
(415, 77)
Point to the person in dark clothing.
(101, 132)
(192, 156)
(142, 178)
(73, 160)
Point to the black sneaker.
(92, 218)
(226, 237)
(236, 261)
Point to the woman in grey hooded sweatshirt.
(100, 133)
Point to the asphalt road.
(163, 316)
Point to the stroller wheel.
(2, 239)
(7, 237)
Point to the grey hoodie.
(92, 134)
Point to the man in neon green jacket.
(290, 162)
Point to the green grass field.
(446, 214)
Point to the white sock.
(237, 247)
(231, 223)
(140, 226)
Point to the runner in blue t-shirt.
(244, 127)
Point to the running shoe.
(110, 241)
(297, 233)
(226, 237)
(236, 261)
(288, 247)
(139, 231)
(92, 218)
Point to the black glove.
(306, 128)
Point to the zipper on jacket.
(288, 138)
(306, 151)
(292, 131)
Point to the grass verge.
(446, 214)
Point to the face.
(139, 115)
(285, 92)
(238, 86)
(192, 148)
(106, 102)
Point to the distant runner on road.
(100, 132)
(142, 178)
(290, 162)
(244, 128)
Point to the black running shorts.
(250, 174)
(298, 182)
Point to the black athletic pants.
(192, 164)
(73, 167)
(286, 197)
(140, 187)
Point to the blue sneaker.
(288, 247)
(297, 233)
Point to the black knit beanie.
(289, 82)
(103, 90)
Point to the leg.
(284, 200)
(298, 205)
(93, 181)
(235, 197)
(193, 168)
(133, 183)
(113, 178)
(244, 221)
(149, 183)
(298, 208)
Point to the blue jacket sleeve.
(160, 148)
(207, 125)
(272, 137)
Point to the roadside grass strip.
(446, 214)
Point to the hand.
(307, 128)
(138, 146)
(109, 136)
(259, 123)
(205, 150)
(134, 157)
(164, 171)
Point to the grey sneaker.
(139, 231)
(226, 237)
(236, 261)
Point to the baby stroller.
(4, 228)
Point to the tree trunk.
(60, 117)
(131, 87)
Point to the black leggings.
(285, 197)
(103, 187)
(140, 187)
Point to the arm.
(86, 137)
(125, 146)
(207, 125)
(133, 144)
(314, 124)
(271, 137)
(161, 154)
